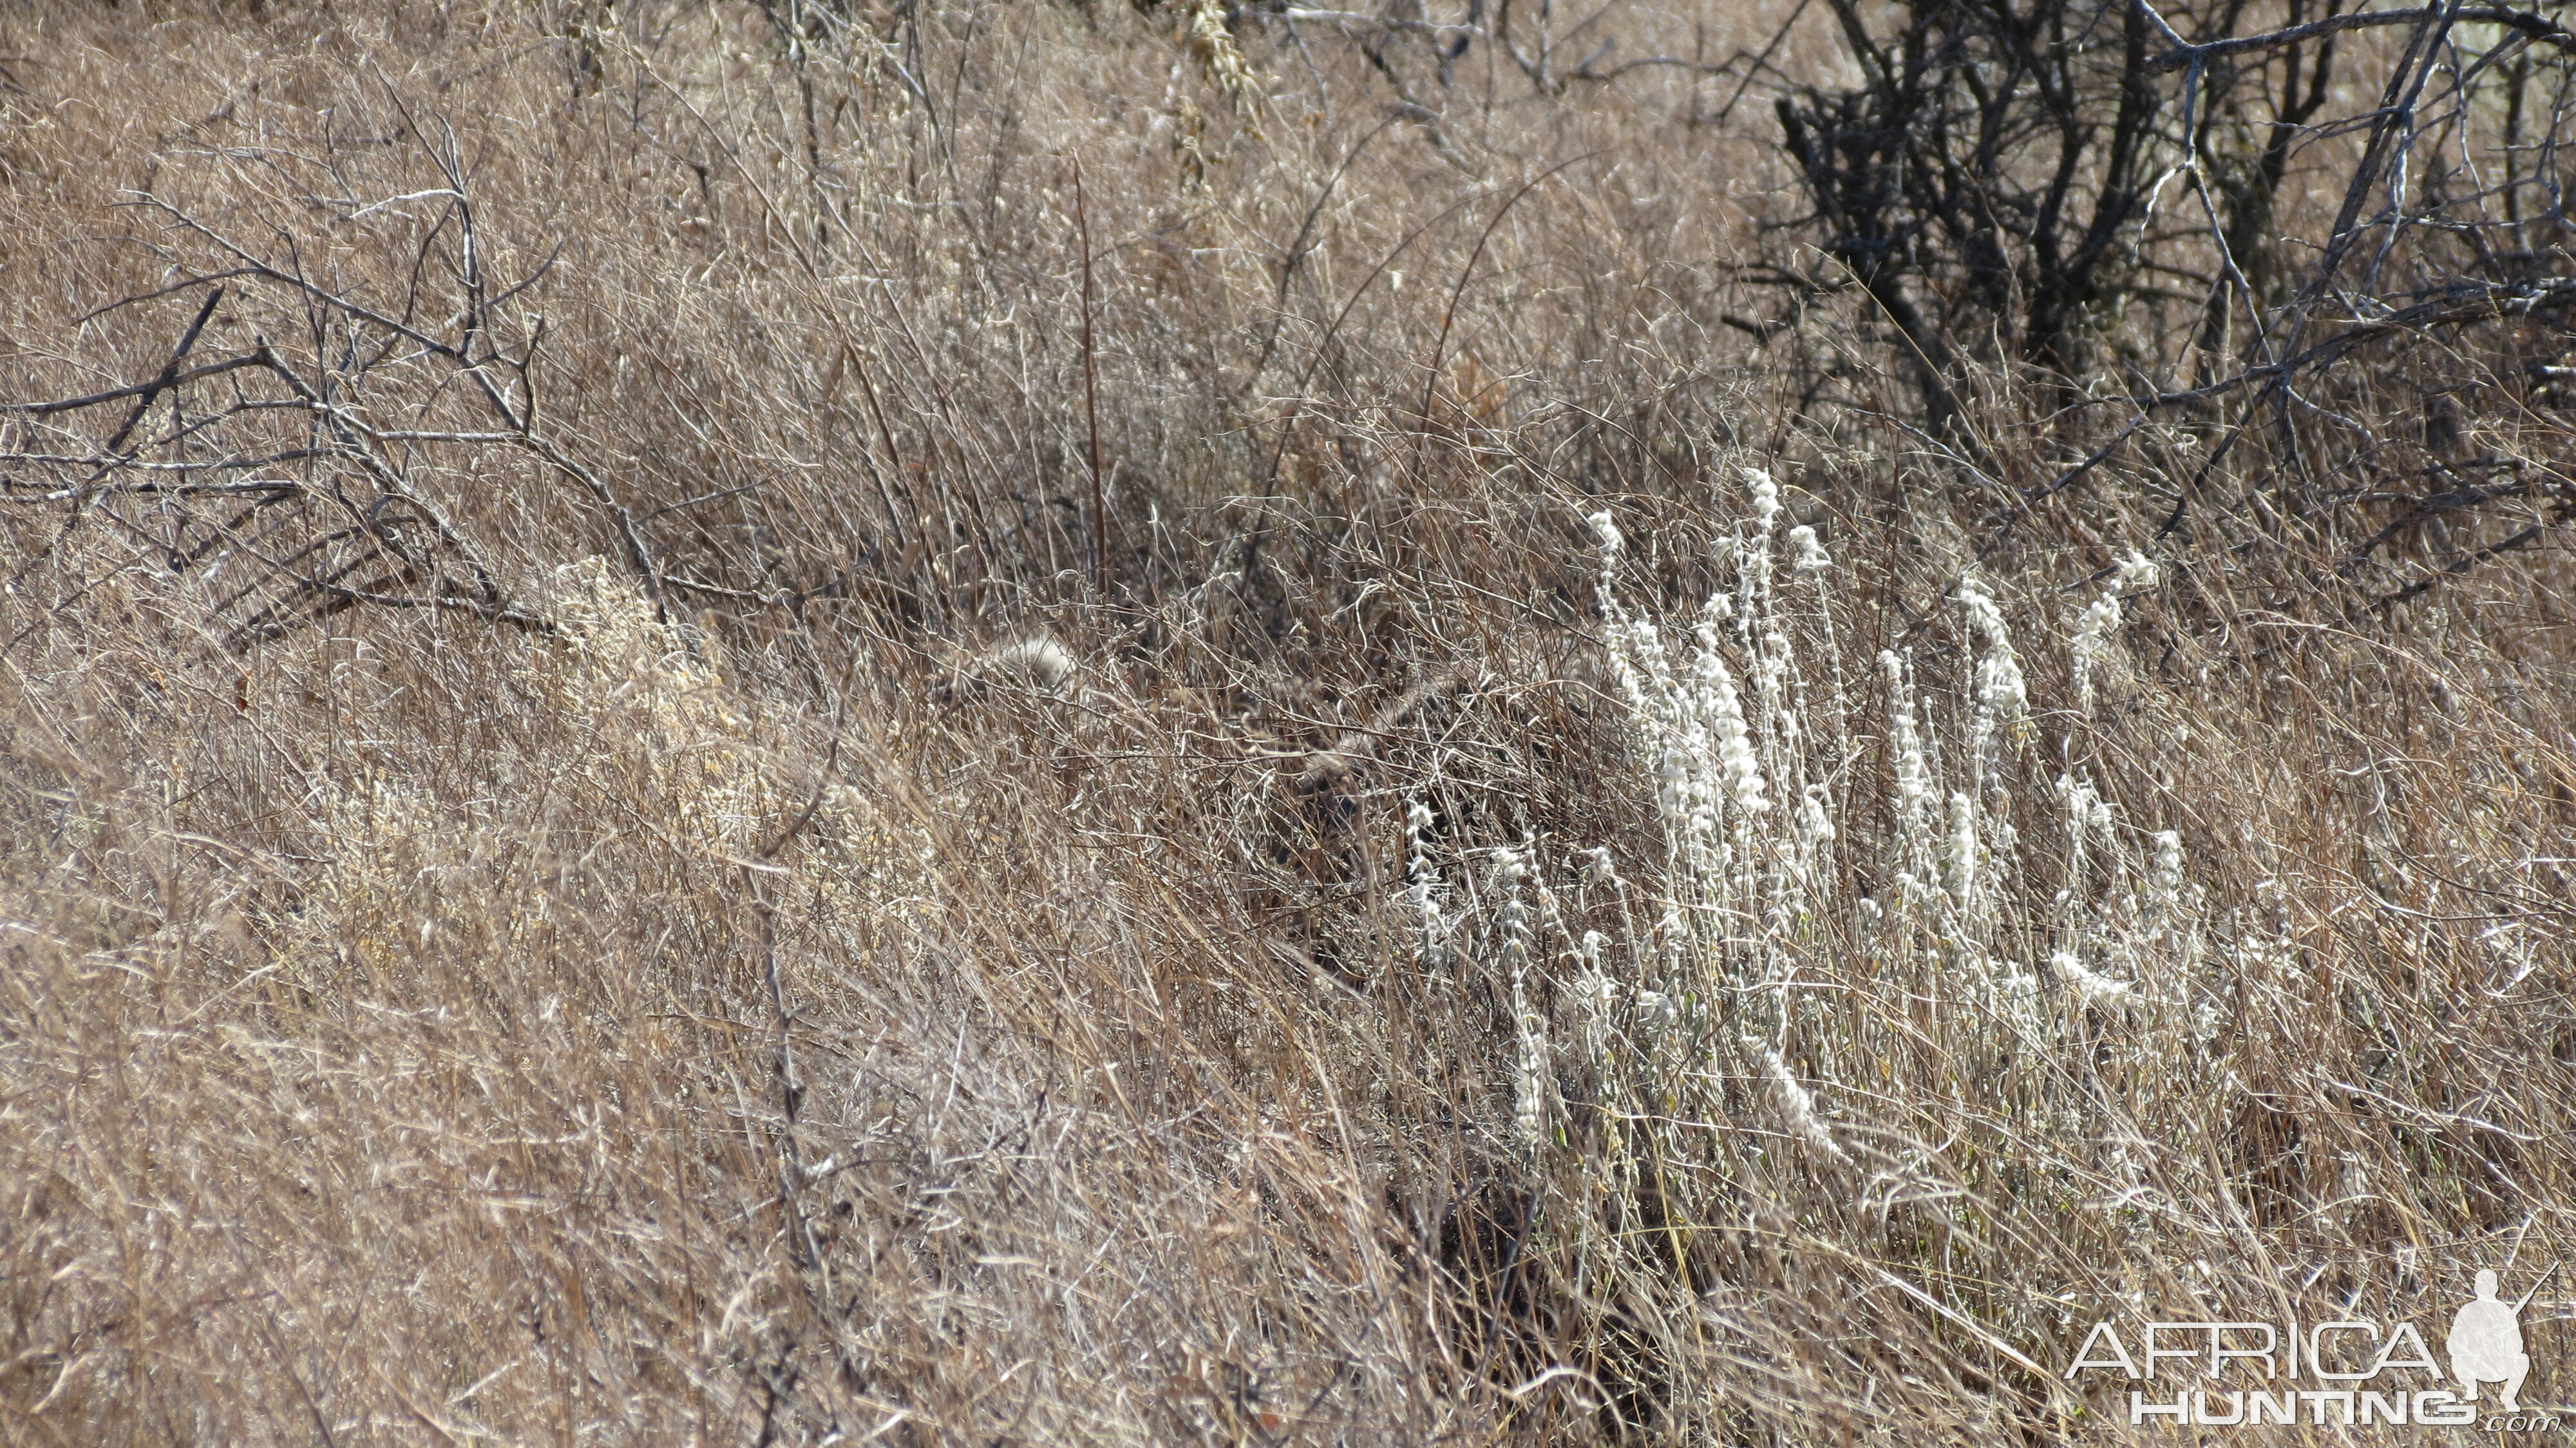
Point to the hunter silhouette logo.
(2486, 1344)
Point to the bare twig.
(1091, 401)
(145, 390)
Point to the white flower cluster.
(1779, 790)
(1733, 725)
(2003, 702)
(1798, 1104)
(2091, 647)
(1530, 1079)
(1421, 890)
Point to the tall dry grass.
(548, 897)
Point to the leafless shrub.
(2092, 196)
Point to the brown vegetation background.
(547, 895)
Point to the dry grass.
(561, 915)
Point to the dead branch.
(2536, 28)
